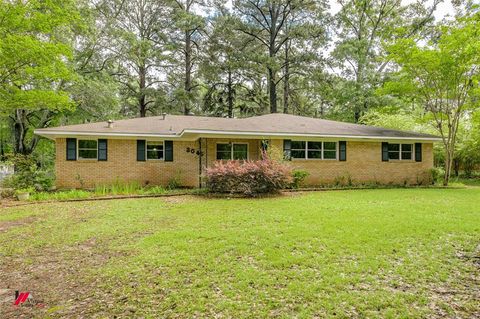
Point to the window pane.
(154, 146)
(407, 155)
(394, 155)
(87, 144)
(298, 154)
(298, 145)
(314, 154)
(329, 154)
(224, 155)
(406, 147)
(224, 151)
(223, 147)
(87, 154)
(154, 150)
(314, 145)
(330, 146)
(393, 147)
(240, 151)
(239, 155)
(240, 148)
(155, 154)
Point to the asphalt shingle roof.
(177, 125)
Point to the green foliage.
(61, 195)
(437, 174)
(28, 175)
(175, 181)
(298, 177)
(118, 187)
(443, 76)
(34, 54)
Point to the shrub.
(437, 174)
(298, 177)
(28, 175)
(175, 181)
(248, 177)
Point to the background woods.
(382, 62)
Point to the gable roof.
(269, 125)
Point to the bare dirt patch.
(6, 225)
(59, 280)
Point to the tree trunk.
(19, 131)
(286, 80)
(272, 88)
(188, 71)
(141, 99)
(230, 94)
(448, 164)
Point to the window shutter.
(141, 150)
(102, 150)
(418, 152)
(384, 152)
(287, 149)
(168, 151)
(71, 149)
(343, 151)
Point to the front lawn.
(360, 253)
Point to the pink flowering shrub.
(248, 177)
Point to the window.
(87, 149)
(298, 149)
(314, 150)
(229, 151)
(154, 150)
(240, 151)
(400, 151)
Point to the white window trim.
(231, 150)
(158, 143)
(322, 151)
(400, 155)
(78, 149)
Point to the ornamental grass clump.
(248, 177)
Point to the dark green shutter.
(141, 150)
(287, 149)
(102, 150)
(385, 152)
(71, 149)
(418, 152)
(342, 145)
(168, 151)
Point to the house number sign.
(192, 151)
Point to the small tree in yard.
(444, 76)
(248, 177)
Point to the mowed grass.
(362, 253)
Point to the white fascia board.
(302, 135)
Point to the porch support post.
(200, 162)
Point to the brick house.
(154, 150)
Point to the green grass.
(101, 191)
(362, 253)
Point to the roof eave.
(213, 133)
